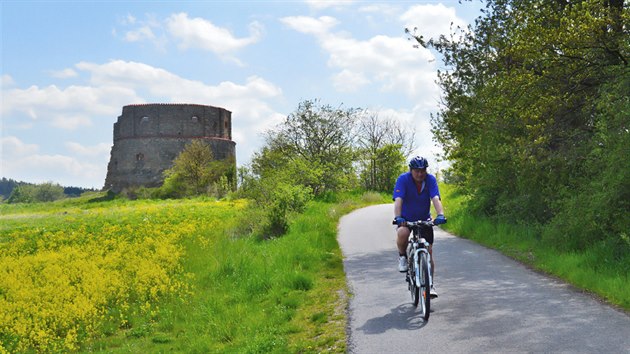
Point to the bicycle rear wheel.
(425, 287)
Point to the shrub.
(29, 193)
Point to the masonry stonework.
(148, 137)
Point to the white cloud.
(67, 108)
(23, 162)
(202, 34)
(97, 150)
(190, 33)
(316, 26)
(159, 85)
(349, 81)
(127, 74)
(113, 85)
(379, 9)
(128, 20)
(249, 98)
(61, 169)
(140, 34)
(64, 74)
(325, 4)
(391, 62)
(7, 80)
(432, 20)
(149, 30)
(70, 122)
(12, 146)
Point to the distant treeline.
(8, 185)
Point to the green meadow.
(170, 276)
(96, 275)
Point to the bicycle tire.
(411, 278)
(425, 288)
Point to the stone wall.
(148, 137)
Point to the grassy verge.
(170, 276)
(598, 270)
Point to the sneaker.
(433, 293)
(402, 264)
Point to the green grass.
(282, 295)
(597, 270)
(245, 295)
(286, 294)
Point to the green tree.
(521, 98)
(30, 193)
(535, 112)
(196, 172)
(6, 187)
(22, 193)
(48, 192)
(315, 147)
(382, 147)
(311, 153)
(385, 165)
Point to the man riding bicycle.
(413, 194)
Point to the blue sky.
(68, 68)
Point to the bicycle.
(418, 274)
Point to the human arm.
(437, 204)
(398, 206)
(398, 211)
(439, 209)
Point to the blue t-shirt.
(416, 204)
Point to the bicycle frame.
(416, 241)
(417, 247)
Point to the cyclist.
(413, 194)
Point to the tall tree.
(383, 145)
(316, 142)
(522, 95)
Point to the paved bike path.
(487, 302)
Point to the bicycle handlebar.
(416, 223)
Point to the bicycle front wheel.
(413, 285)
(425, 287)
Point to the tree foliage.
(6, 187)
(314, 145)
(30, 193)
(316, 151)
(196, 172)
(382, 145)
(535, 112)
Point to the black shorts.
(426, 232)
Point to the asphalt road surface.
(487, 302)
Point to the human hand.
(400, 220)
(439, 220)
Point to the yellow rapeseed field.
(65, 275)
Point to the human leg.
(427, 234)
(402, 236)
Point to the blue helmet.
(418, 162)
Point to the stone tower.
(148, 137)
